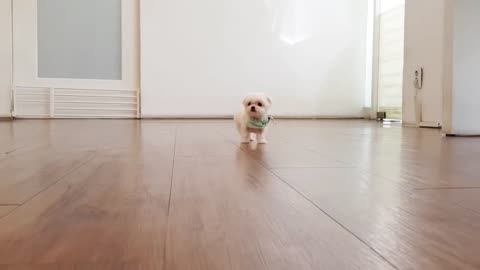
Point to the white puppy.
(253, 120)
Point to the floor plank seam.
(54, 183)
(335, 220)
(393, 180)
(13, 150)
(172, 170)
(321, 210)
(345, 164)
(17, 154)
(8, 213)
(454, 203)
(466, 208)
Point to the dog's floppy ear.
(269, 99)
(245, 101)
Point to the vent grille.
(37, 102)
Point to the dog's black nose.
(252, 109)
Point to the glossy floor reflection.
(126, 194)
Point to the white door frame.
(26, 84)
(372, 60)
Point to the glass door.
(391, 23)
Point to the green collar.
(259, 124)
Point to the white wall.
(200, 57)
(464, 96)
(425, 28)
(5, 57)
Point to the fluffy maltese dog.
(253, 120)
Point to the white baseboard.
(319, 117)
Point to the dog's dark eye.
(249, 103)
(260, 104)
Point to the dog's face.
(257, 105)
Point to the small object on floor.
(381, 116)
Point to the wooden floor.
(175, 195)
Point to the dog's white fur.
(255, 105)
